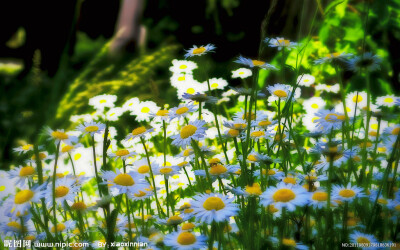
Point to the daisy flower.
(42, 156)
(66, 190)
(318, 199)
(305, 80)
(22, 173)
(193, 131)
(131, 104)
(362, 238)
(254, 63)
(21, 201)
(213, 207)
(285, 195)
(59, 135)
(348, 193)
(166, 171)
(191, 88)
(65, 148)
(123, 154)
(280, 43)
(366, 61)
(356, 98)
(142, 167)
(272, 173)
(257, 134)
(238, 123)
(184, 240)
(242, 73)
(201, 50)
(328, 88)
(102, 101)
(173, 220)
(160, 115)
(219, 170)
(263, 122)
(124, 182)
(182, 66)
(114, 113)
(253, 190)
(142, 194)
(182, 111)
(393, 130)
(333, 57)
(143, 109)
(386, 101)
(63, 227)
(91, 128)
(179, 79)
(281, 91)
(313, 104)
(139, 132)
(24, 149)
(217, 83)
(329, 119)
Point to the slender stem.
(54, 190)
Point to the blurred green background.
(56, 55)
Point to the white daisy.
(362, 238)
(124, 182)
(143, 109)
(386, 101)
(59, 135)
(318, 199)
(305, 80)
(166, 171)
(201, 50)
(333, 57)
(356, 98)
(285, 195)
(254, 63)
(130, 104)
(114, 113)
(348, 193)
(21, 201)
(184, 240)
(91, 128)
(123, 154)
(328, 88)
(280, 43)
(213, 207)
(182, 110)
(280, 91)
(242, 73)
(313, 104)
(102, 101)
(182, 66)
(139, 132)
(22, 174)
(66, 189)
(24, 149)
(329, 119)
(193, 131)
(217, 83)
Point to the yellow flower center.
(264, 123)
(240, 125)
(122, 152)
(280, 93)
(186, 238)
(362, 240)
(124, 180)
(188, 131)
(246, 117)
(140, 194)
(26, 171)
(218, 169)
(351, 222)
(213, 203)
(138, 131)
(388, 100)
(252, 158)
(271, 172)
(254, 189)
(182, 110)
(278, 137)
(289, 242)
(79, 205)
(91, 128)
(382, 201)
(183, 66)
(320, 196)
(162, 112)
(290, 180)
(333, 55)
(331, 117)
(198, 51)
(181, 78)
(59, 135)
(30, 237)
(257, 62)
(257, 133)
(187, 152)
(61, 191)
(272, 209)
(143, 169)
(190, 91)
(233, 132)
(145, 110)
(214, 85)
(67, 148)
(165, 170)
(396, 131)
(14, 224)
(175, 219)
(188, 226)
(60, 227)
(188, 210)
(23, 196)
(27, 147)
(347, 193)
(357, 98)
(314, 106)
(283, 195)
